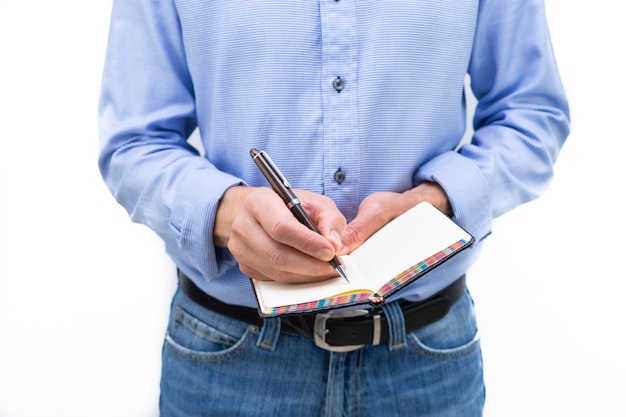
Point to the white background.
(84, 293)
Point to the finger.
(280, 224)
(286, 265)
(290, 232)
(263, 258)
(374, 212)
(323, 211)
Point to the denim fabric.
(216, 366)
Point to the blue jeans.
(217, 366)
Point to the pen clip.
(274, 168)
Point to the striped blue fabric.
(265, 74)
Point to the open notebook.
(401, 252)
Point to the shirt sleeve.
(521, 119)
(146, 114)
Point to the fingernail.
(325, 254)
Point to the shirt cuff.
(191, 224)
(466, 187)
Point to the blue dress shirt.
(350, 97)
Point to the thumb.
(365, 224)
(374, 212)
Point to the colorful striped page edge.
(421, 267)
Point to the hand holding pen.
(282, 187)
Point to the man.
(361, 104)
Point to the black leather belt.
(351, 330)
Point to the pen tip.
(254, 152)
(342, 273)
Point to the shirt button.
(340, 176)
(338, 84)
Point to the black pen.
(282, 187)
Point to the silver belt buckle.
(320, 330)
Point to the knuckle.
(278, 226)
(280, 276)
(247, 271)
(276, 258)
(352, 234)
(376, 206)
(233, 248)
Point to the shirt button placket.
(341, 139)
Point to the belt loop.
(268, 337)
(395, 322)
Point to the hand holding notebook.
(401, 252)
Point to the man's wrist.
(227, 210)
(434, 194)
